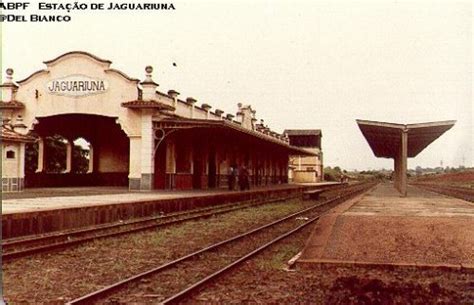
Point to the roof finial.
(148, 85)
(8, 86)
(9, 78)
(148, 70)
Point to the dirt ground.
(422, 228)
(265, 280)
(55, 278)
(462, 179)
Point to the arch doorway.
(77, 150)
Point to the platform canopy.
(169, 124)
(385, 138)
(401, 141)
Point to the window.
(10, 154)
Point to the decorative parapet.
(174, 95)
(219, 112)
(8, 87)
(8, 83)
(8, 104)
(141, 104)
(148, 85)
(19, 126)
(206, 107)
(191, 100)
(11, 105)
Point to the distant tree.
(80, 160)
(31, 157)
(55, 154)
(332, 174)
(55, 151)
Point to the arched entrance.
(77, 150)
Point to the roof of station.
(180, 123)
(8, 134)
(302, 132)
(385, 138)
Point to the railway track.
(457, 192)
(24, 246)
(215, 260)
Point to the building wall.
(304, 176)
(39, 102)
(112, 157)
(305, 169)
(13, 157)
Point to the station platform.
(382, 228)
(38, 211)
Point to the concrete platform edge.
(45, 221)
(305, 263)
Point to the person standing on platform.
(247, 179)
(233, 173)
(232, 177)
(244, 179)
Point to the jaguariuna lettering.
(141, 6)
(72, 86)
(76, 86)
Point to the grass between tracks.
(63, 275)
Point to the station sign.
(76, 85)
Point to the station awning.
(400, 142)
(385, 138)
(179, 123)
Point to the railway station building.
(13, 161)
(136, 135)
(304, 168)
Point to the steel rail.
(190, 289)
(105, 291)
(63, 239)
(15, 240)
(94, 233)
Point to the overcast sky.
(300, 64)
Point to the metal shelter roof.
(179, 123)
(385, 138)
(302, 132)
